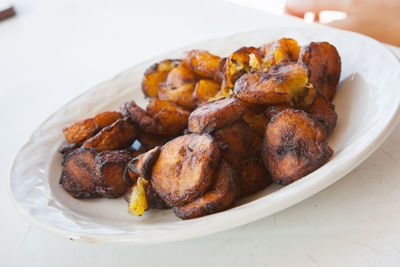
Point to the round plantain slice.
(280, 51)
(294, 145)
(204, 90)
(254, 176)
(76, 174)
(324, 112)
(283, 83)
(155, 75)
(108, 171)
(214, 115)
(219, 198)
(324, 63)
(185, 167)
(203, 63)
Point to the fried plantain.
(66, 148)
(185, 167)
(239, 63)
(118, 135)
(324, 63)
(155, 75)
(203, 63)
(219, 198)
(216, 114)
(254, 176)
(324, 112)
(153, 199)
(83, 129)
(179, 86)
(280, 51)
(108, 171)
(142, 164)
(238, 138)
(168, 118)
(283, 83)
(204, 90)
(294, 145)
(76, 174)
(129, 176)
(149, 141)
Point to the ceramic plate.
(367, 103)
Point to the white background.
(54, 50)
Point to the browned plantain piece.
(168, 118)
(203, 63)
(179, 86)
(118, 135)
(204, 90)
(324, 64)
(156, 75)
(294, 145)
(129, 176)
(142, 164)
(216, 114)
(283, 83)
(63, 149)
(83, 129)
(238, 138)
(76, 175)
(108, 171)
(239, 63)
(280, 51)
(219, 198)
(254, 176)
(324, 112)
(153, 199)
(185, 167)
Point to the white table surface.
(54, 50)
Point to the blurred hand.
(377, 19)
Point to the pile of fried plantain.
(216, 129)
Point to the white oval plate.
(367, 103)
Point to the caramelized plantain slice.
(76, 174)
(214, 115)
(238, 138)
(168, 119)
(118, 135)
(324, 112)
(284, 83)
(239, 63)
(185, 167)
(254, 176)
(179, 86)
(142, 164)
(280, 51)
(323, 61)
(203, 63)
(294, 145)
(153, 199)
(204, 90)
(219, 198)
(83, 129)
(108, 171)
(155, 75)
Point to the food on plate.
(118, 135)
(76, 174)
(294, 145)
(215, 115)
(185, 168)
(155, 75)
(82, 130)
(215, 130)
(323, 62)
(220, 197)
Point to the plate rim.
(132, 238)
